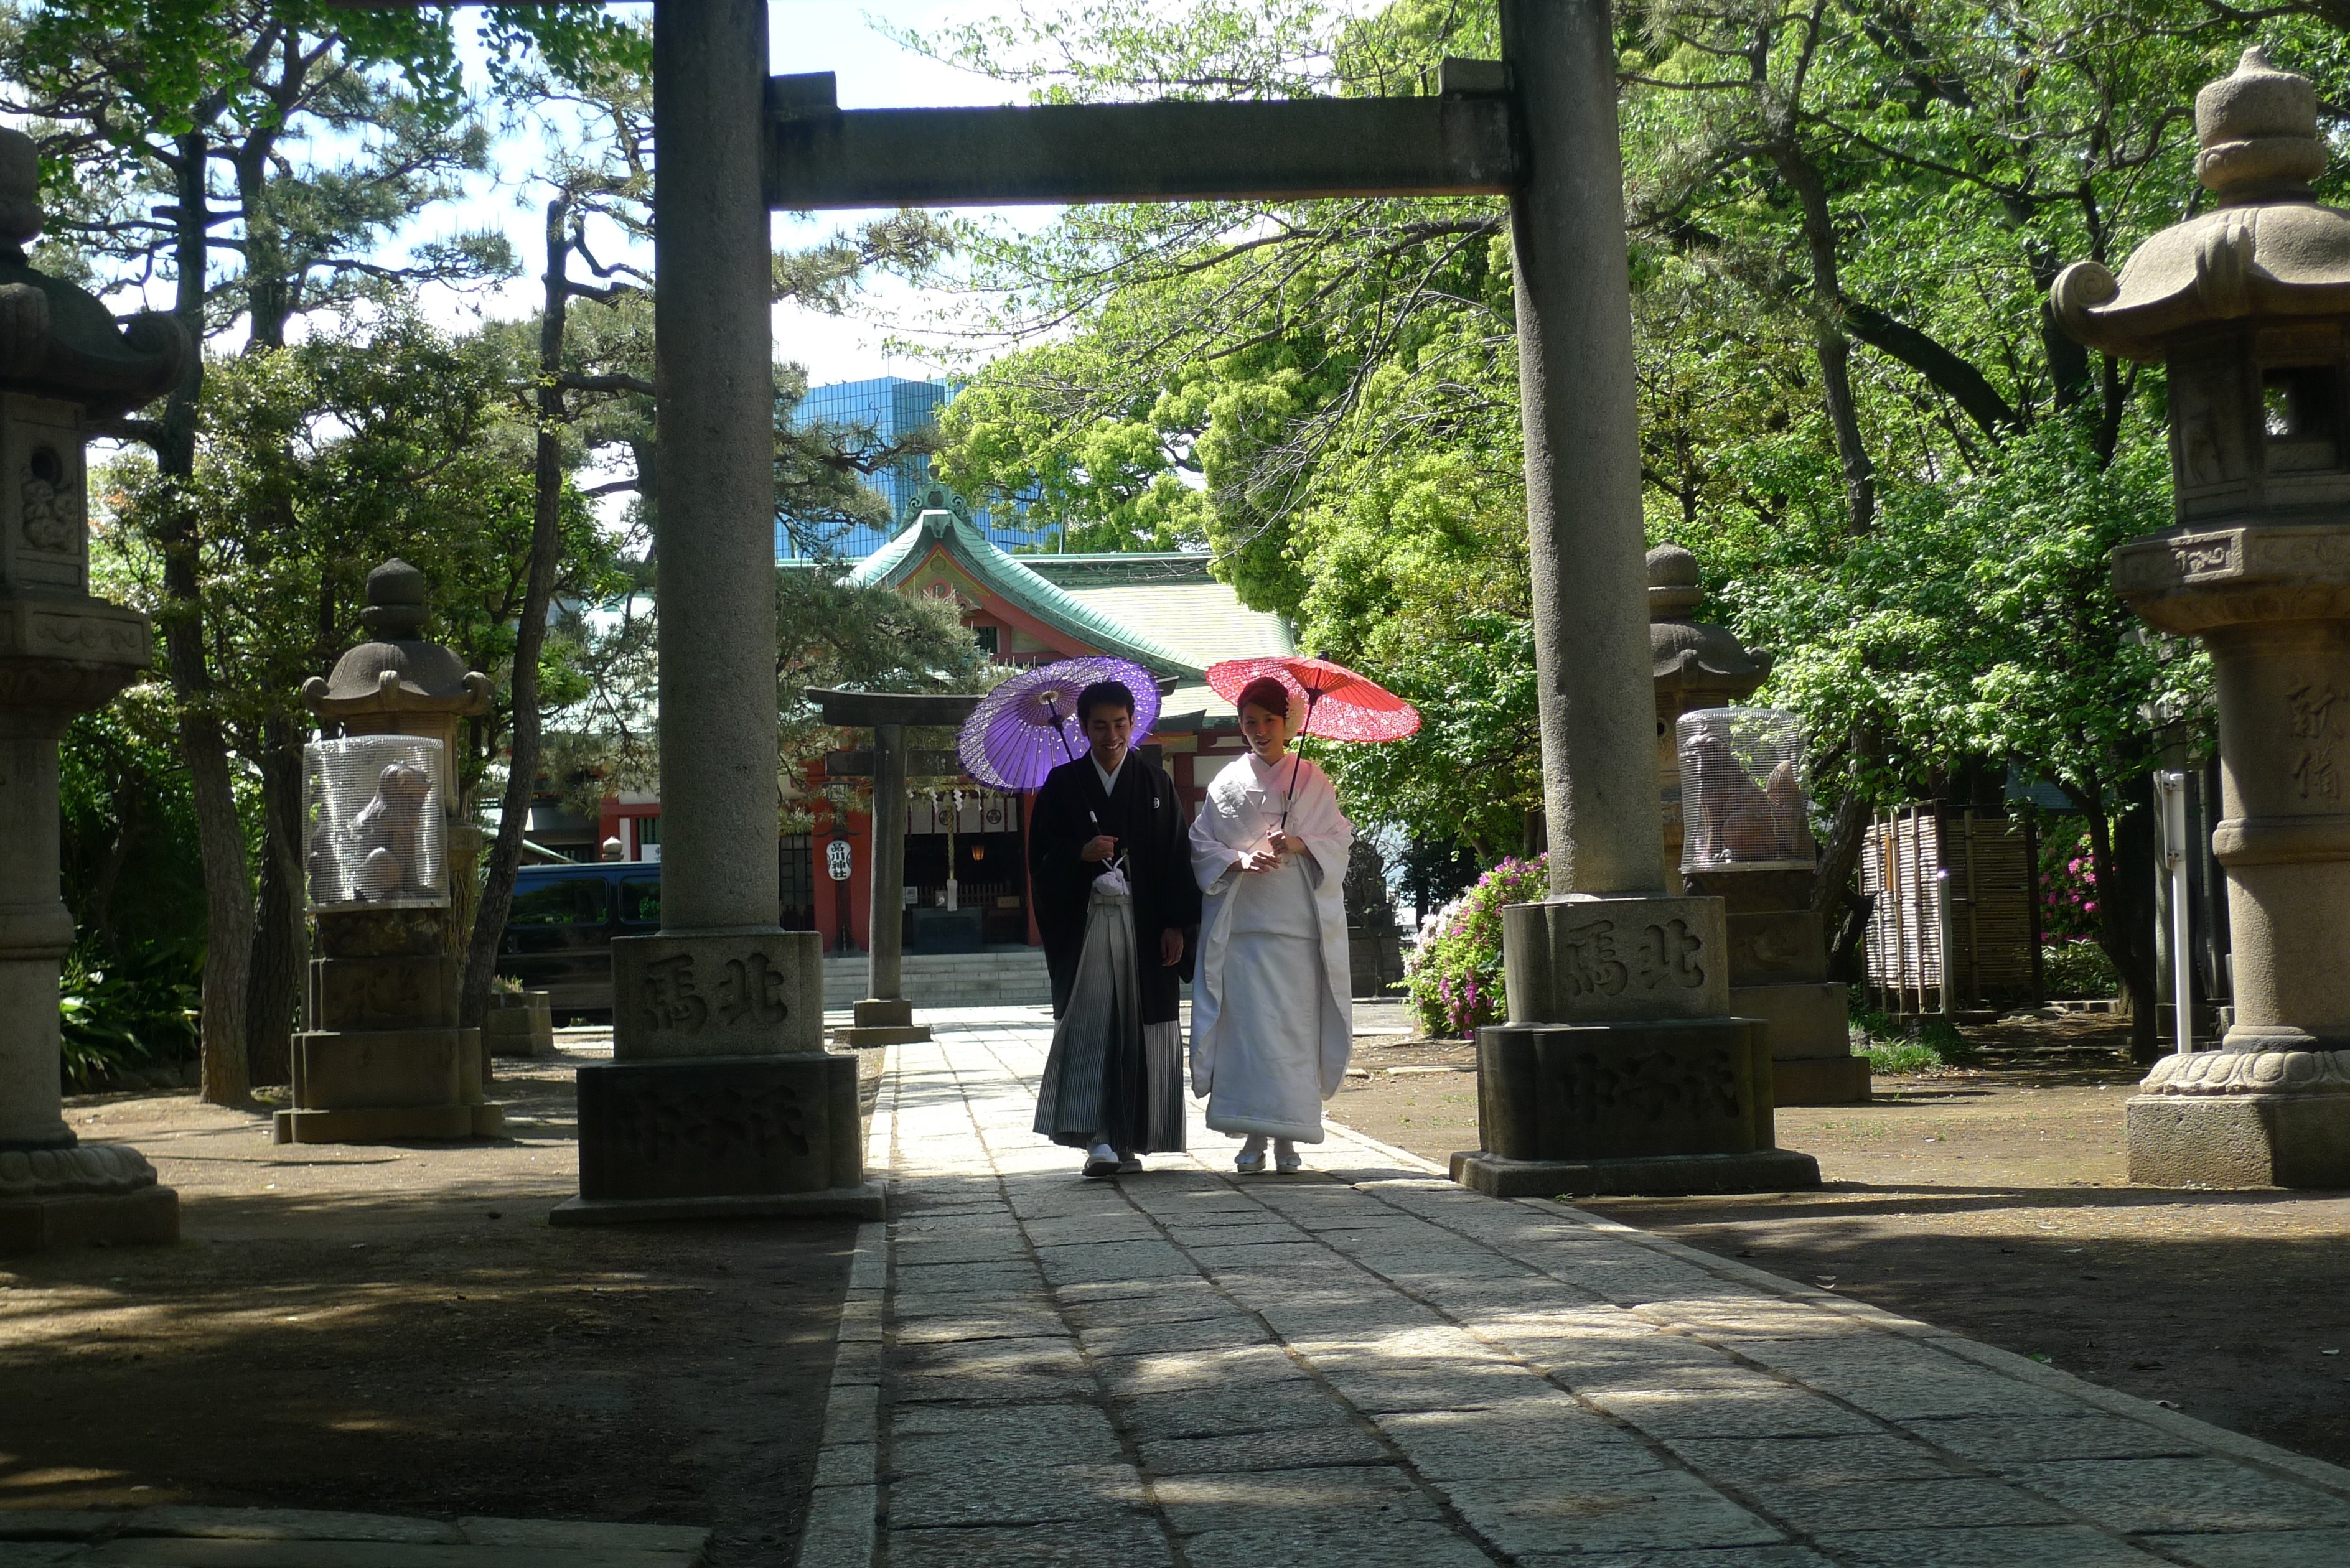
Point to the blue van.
(558, 935)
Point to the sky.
(873, 72)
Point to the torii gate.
(1539, 127)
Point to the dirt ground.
(397, 1330)
(1995, 1202)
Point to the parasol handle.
(1051, 709)
(1068, 749)
(1298, 759)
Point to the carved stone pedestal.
(2242, 1117)
(78, 1193)
(1604, 1109)
(387, 1063)
(720, 1101)
(1778, 974)
(1621, 1070)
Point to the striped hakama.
(1110, 1076)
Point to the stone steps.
(1011, 978)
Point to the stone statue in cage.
(1743, 795)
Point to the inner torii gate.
(1538, 127)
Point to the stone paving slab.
(1366, 1365)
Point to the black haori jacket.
(1147, 819)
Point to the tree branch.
(572, 381)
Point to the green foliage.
(1979, 619)
(1452, 977)
(136, 893)
(126, 821)
(358, 444)
(2077, 968)
(130, 1014)
(1923, 1047)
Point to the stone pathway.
(180, 1537)
(1366, 1365)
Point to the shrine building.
(1165, 612)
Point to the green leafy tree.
(187, 143)
(1844, 222)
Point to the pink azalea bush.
(2068, 886)
(1452, 977)
(2072, 963)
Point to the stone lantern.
(384, 1057)
(2248, 308)
(63, 362)
(1696, 666)
(1778, 939)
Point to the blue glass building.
(881, 411)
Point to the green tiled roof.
(1092, 624)
(1174, 599)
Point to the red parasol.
(1340, 705)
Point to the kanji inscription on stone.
(2311, 711)
(1668, 953)
(751, 992)
(671, 1000)
(1592, 968)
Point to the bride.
(1271, 1016)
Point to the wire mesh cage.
(373, 810)
(1745, 801)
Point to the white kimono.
(1272, 1009)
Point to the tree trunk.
(1834, 895)
(220, 837)
(280, 931)
(530, 632)
(280, 936)
(1832, 349)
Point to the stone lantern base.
(2237, 1118)
(1778, 974)
(387, 1063)
(1621, 1070)
(81, 1193)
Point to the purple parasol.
(1027, 726)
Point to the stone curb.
(177, 1533)
(2333, 1479)
(846, 1499)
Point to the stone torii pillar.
(62, 363)
(884, 1017)
(2249, 306)
(720, 1100)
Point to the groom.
(1114, 1084)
